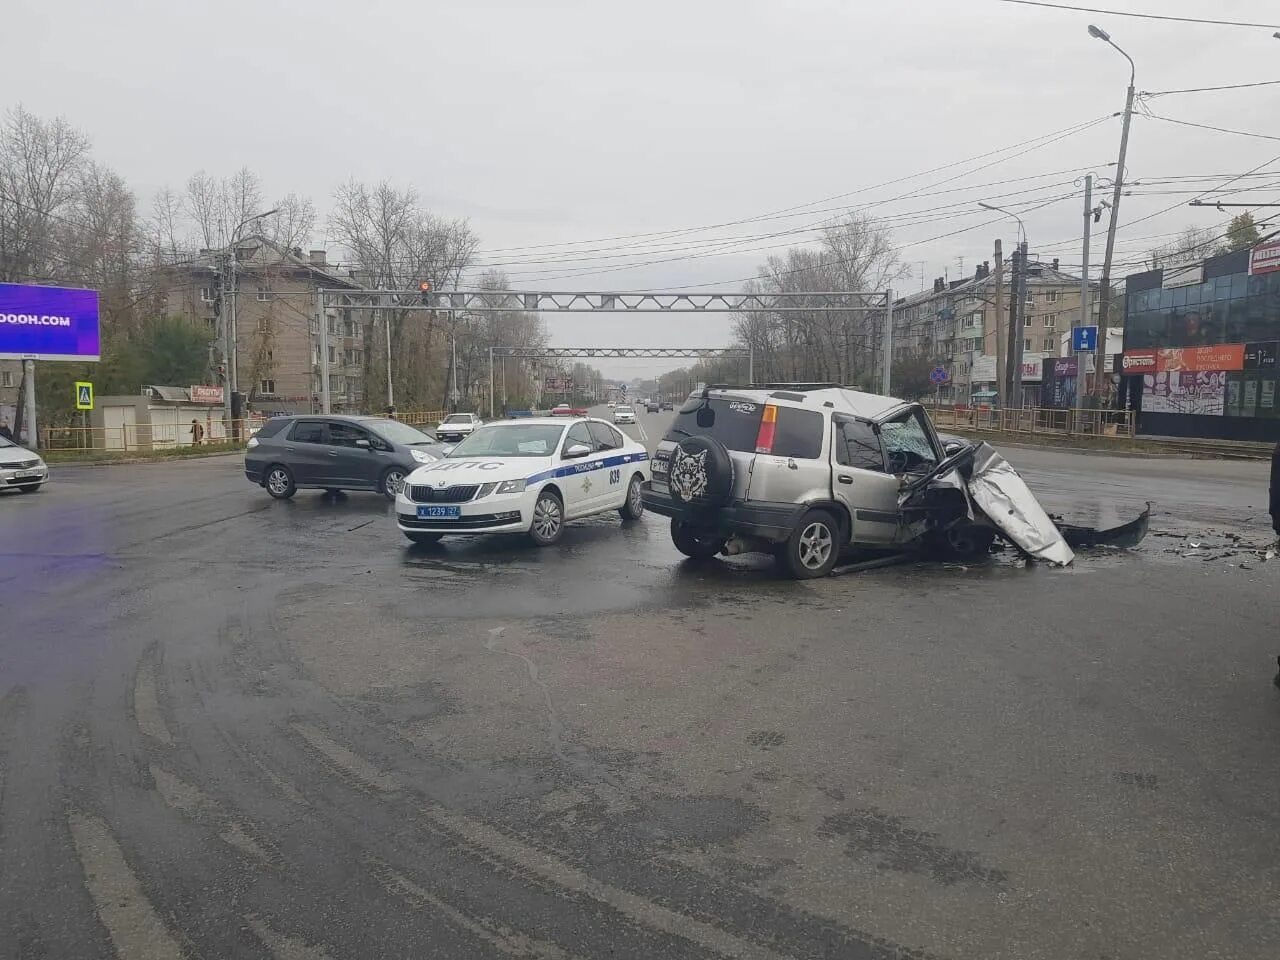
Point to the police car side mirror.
(576, 451)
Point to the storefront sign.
(1182, 276)
(48, 323)
(1138, 361)
(1264, 258)
(1200, 392)
(205, 394)
(1223, 356)
(1261, 356)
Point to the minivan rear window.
(736, 424)
(273, 426)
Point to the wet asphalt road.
(235, 727)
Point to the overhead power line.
(1148, 94)
(1142, 16)
(1207, 126)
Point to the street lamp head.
(1099, 33)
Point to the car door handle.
(333, 453)
(844, 478)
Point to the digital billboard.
(48, 323)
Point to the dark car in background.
(337, 453)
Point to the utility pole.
(224, 318)
(453, 394)
(1104, 285)
(324, 353)
(386, 326)
(1084, 297)
(491, 383)
(1013, 368)
(886, 373)
(1002, 393)
(29, 404)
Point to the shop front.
(1201, 348)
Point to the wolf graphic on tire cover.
(688, 475)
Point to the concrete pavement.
(231, 726)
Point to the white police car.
(524, 476)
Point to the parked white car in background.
(525, 476)
(22, 469)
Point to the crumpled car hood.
(998, 490)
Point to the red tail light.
(764, 439)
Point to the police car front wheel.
(548, 519)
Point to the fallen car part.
(1125, 536)
(1003, 496)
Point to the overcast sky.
(550, 121)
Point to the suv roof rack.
(799, 387)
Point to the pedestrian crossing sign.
(84, 395)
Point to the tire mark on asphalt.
(284, 947)
(132, 923)
(555, 729)
(488, 929)
(567, 877)
(191, 802)
(146, 700)
(357, 766)
(540, 862)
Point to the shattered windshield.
(907, 444)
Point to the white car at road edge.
(525, 476)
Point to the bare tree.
(396, 244)
(292, 223)
(1191, 245)
(854, 254)
(41, 163)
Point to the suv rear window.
(736, 424)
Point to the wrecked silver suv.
(807, 471)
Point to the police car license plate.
(26, 474)
(435, 512)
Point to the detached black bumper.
(768, 521)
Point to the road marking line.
(282, 946)
(336, 753)
(492, 931)
(132, 923)
(146, 701)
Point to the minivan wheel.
(391, 482)
(813, 547)
(694, 542)
(279, 482)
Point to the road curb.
(126, 461)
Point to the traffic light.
(424, 288)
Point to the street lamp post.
(1104, 285)
(1013, 349)
(229, 331)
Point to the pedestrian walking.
(197, 432)
(7, 434)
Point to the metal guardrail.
(1103, 424)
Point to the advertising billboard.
(1197, 392)
(48, 323)
(1223, 356)
(1264, 258)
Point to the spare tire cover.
(700, 473)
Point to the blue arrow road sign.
(1084, 338)
(938, 375)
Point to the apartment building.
(954, 324)
(278, 323)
